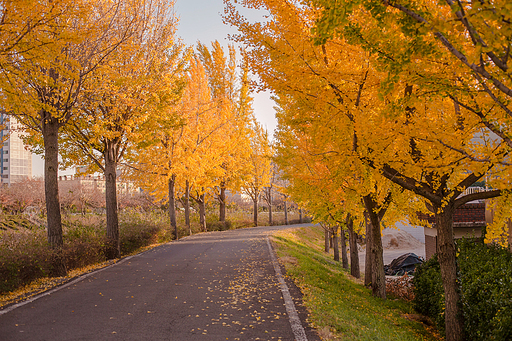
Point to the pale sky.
(200, 20)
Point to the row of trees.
(107, 84)
(387, 109)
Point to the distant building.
(97, 182)
(469, 220)
(16, 160)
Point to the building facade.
(16, 160)
(97, 182)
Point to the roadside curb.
(293, 316)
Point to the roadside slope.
(341, 308)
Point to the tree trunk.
(172, 207)
(255, 211)
(336, 244)
(285, 213)
(327, 238)
(202, 213)
(354, 252)
(343, 241)
(378, 275)
(270, 220)
(447, 262)
(300, 216)
(187, 207)
(222, 202)
(51, 191)
(368, 254)
(509, 223)
(112, 247)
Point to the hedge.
(485, 286)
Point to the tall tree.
(131, 85)
(234, 106)
(416, 141)
(259, 167)
(268, 191)
(44, 74)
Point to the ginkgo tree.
(259, 166)
(402, 134)
(305, 78)
(205, 151)
(232, 95)
(56, 50)
(444, 50)
(136, 81)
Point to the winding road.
(211, 286)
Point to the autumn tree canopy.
(374, 111)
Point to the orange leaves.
(134, 80)
(209, 143)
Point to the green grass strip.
(340, 307)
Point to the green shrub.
(139, 229)
(134, 237)
(485, 278)
(486, 290)
(428, 291)
(218, 225)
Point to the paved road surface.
(215, 286)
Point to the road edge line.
(293, 316)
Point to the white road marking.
(295, 323)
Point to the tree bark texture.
(300, 216)
(509, 223)
(378, 275)
(202, 213)
(336, 246)
(368, 254)
(51, 190)
(187, 208)
(112, 248)
(172, 206)
(222, 202)
(327, 241)
(343, 242)
(354, 254)
(270, 220)
(255, 211)
(447, 262)
(286, 213)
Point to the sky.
(201, 20)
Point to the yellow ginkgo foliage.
(134, 82)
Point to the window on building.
(6, 160)
(6, 168)
(5, 176)
(6, 152)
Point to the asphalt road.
(213, 286)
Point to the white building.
(16, 160)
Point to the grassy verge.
(341, 308)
